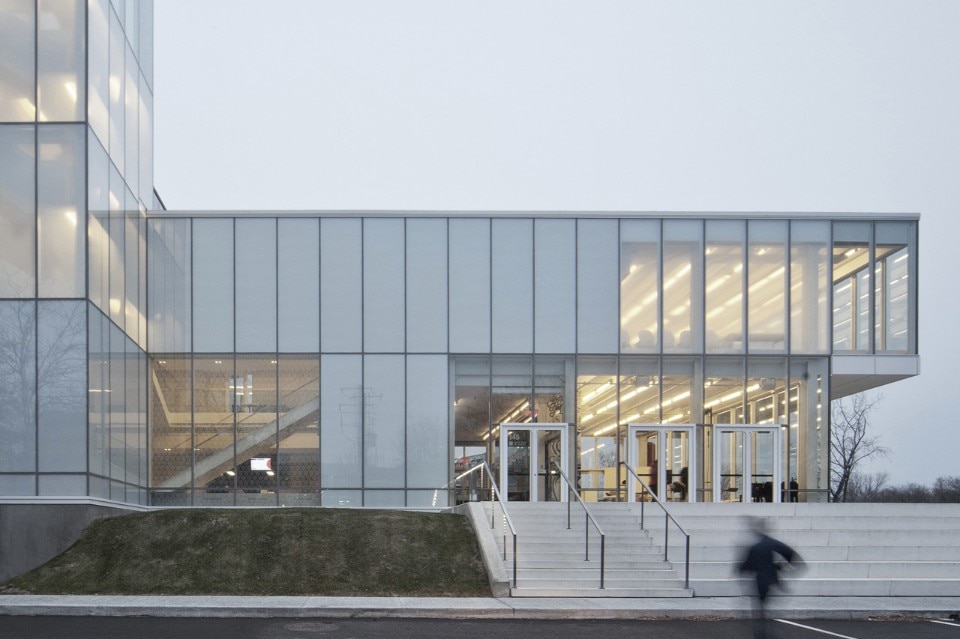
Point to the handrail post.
(586, 527)
(686, 579)
(666, 536)
(603, 555)
(568, 507)
(514, 558)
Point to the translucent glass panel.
(469, 286)
(145, 141)
(98, 378)
(168, 272)
(512, 285)
(256, 285)
(131, 122)
(383, 285)
(809, 286)
(682, 286)
(767, 285)
(766, 391)
(342, 398)
(61, 181)
(298, 286)
(98, 65)
(851, 286)
(62, 386)
(117, 91)
(216, 405)
(384, 443)
(341, 285)
(511, 390)
(725, 241)
(213, 286)
(895, 298)
(639, 281)
(17, 204)
(553, 389)
(428, 410)
(298, 457)
(426, 304)
(555, 286)
(18, 386)
(639, 391)
(60, 59)
(116, 404)
(17, 60)
(597, 290)
(98, 224)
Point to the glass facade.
(363, 360)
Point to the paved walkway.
(475, 608)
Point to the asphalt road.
(167, 628)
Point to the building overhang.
(850, 374)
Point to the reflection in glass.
(215, 407)
(342, 398)
(17, 387)
(17, 224)
(62, 386)
(893, 297)
(851, 286)
(426, 421)
(383, 421)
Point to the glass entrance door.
(534, 454)
(746, 463)
(661, 455)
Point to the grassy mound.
(292, 551)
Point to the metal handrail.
(666, 525)
(587, 521)
(493, 512)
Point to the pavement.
(786, 606)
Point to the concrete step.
(606, 592)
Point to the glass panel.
(851, 286)
(555, 286)
(894, 313)
(342, 498)
(512, 286)
(131, 258)
(469, 285)
(639, 277)
(724, 285)
(383, 284)
(681, 396)
(809, 286)
(682, 286)
(98, 372)
(518, 465)
(731, 465)
(766, 287)
(596, 411)
(18, 398)
(133, 393)
(723, 391)
(98, 64)
(646, 464)
(550, 454)
(62, 386)
(17, 223)
(298, 281)
(146, 38)
(761, 465)
(116, 230)
(808, 410)
(131, 122)
(116, 403)
(254, 392)
(766, 388)
(639, 391)
(63, 485)
(299, 457)
(214, 410)
(213, 285)
(60, 59)
(383, 421)
(551, 393)
(383, 498)
(169, 293)
(17, 61)
(597, 293)
(511, 387)
(98, 240)
(18, 485)
(341, 285)
(145, 132)
(117, 91)
(171, 422)
(428, 445)
(676, 463)
(256, 285)
(341, 426)
(427, 300)
(472, 401)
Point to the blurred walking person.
(761, 559)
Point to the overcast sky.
(616, 105)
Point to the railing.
(505, 517)
(666, 526)
(587, 521)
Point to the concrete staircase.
(876, 550)
(552, 559)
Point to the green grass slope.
(292, 551)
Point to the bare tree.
(849, 441)
(867, 487)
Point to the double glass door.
(662, 456)
(746, 463)
(534, 453)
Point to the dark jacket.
(760, 560)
